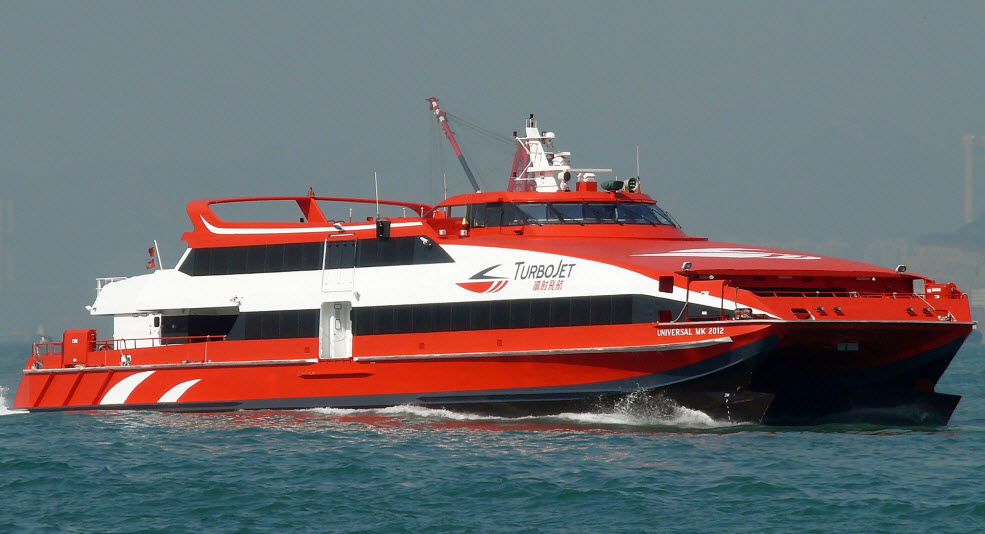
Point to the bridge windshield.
(514, 214)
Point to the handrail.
(46, 348)
(205, 205)
(54, 348)
(104, 281)
(112, 344)
(830, 294)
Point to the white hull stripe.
(176, 392)
(732, 252)
(119, 393)
(346, 228)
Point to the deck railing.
(54, 348)
(105, 281)
(46, 348)
(832, 294)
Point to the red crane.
(443, 121)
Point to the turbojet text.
(535, 271)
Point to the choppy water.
(638, 467)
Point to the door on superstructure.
(335, 340)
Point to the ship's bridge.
(559, 213)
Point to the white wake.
(412, 410)
(5, 405)
(643, 409)
(638, 409)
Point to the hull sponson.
(899, 392)
(817, 359)
(722, 369)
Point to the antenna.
(9, 230)
(637, 161)
(445, 178)
(2, 258)
(376, 182)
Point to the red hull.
(796, 362)
(282, 373)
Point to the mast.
(443, 121)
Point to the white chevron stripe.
(119, 393)
(176, 392)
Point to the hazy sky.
(757, 121)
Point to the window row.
(251, 325)
(276, 258)
(436, 317)
(513, 214)
(520, 313)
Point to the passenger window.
(422, 319)
(255, 258)
(404, 320)
(220, 262)
(202, 261)
(461, 316)
(292, 257)
(560, 312)
(237, 260)
(601, 309)
(500, 314)
(289, 323)
(581, 311)
(275, 259)
(480, 315)
(311, 256)
(520, 314)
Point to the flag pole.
(157, 251)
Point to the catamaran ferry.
(561, 293)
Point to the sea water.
(638, 466)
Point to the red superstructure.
(559, 294)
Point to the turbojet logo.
(545, 277)
(484, 283)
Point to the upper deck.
(558, 214)
(313, 224)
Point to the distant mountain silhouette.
(969, 237)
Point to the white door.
(154, 330)
(336, 330)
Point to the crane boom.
(443, 121)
